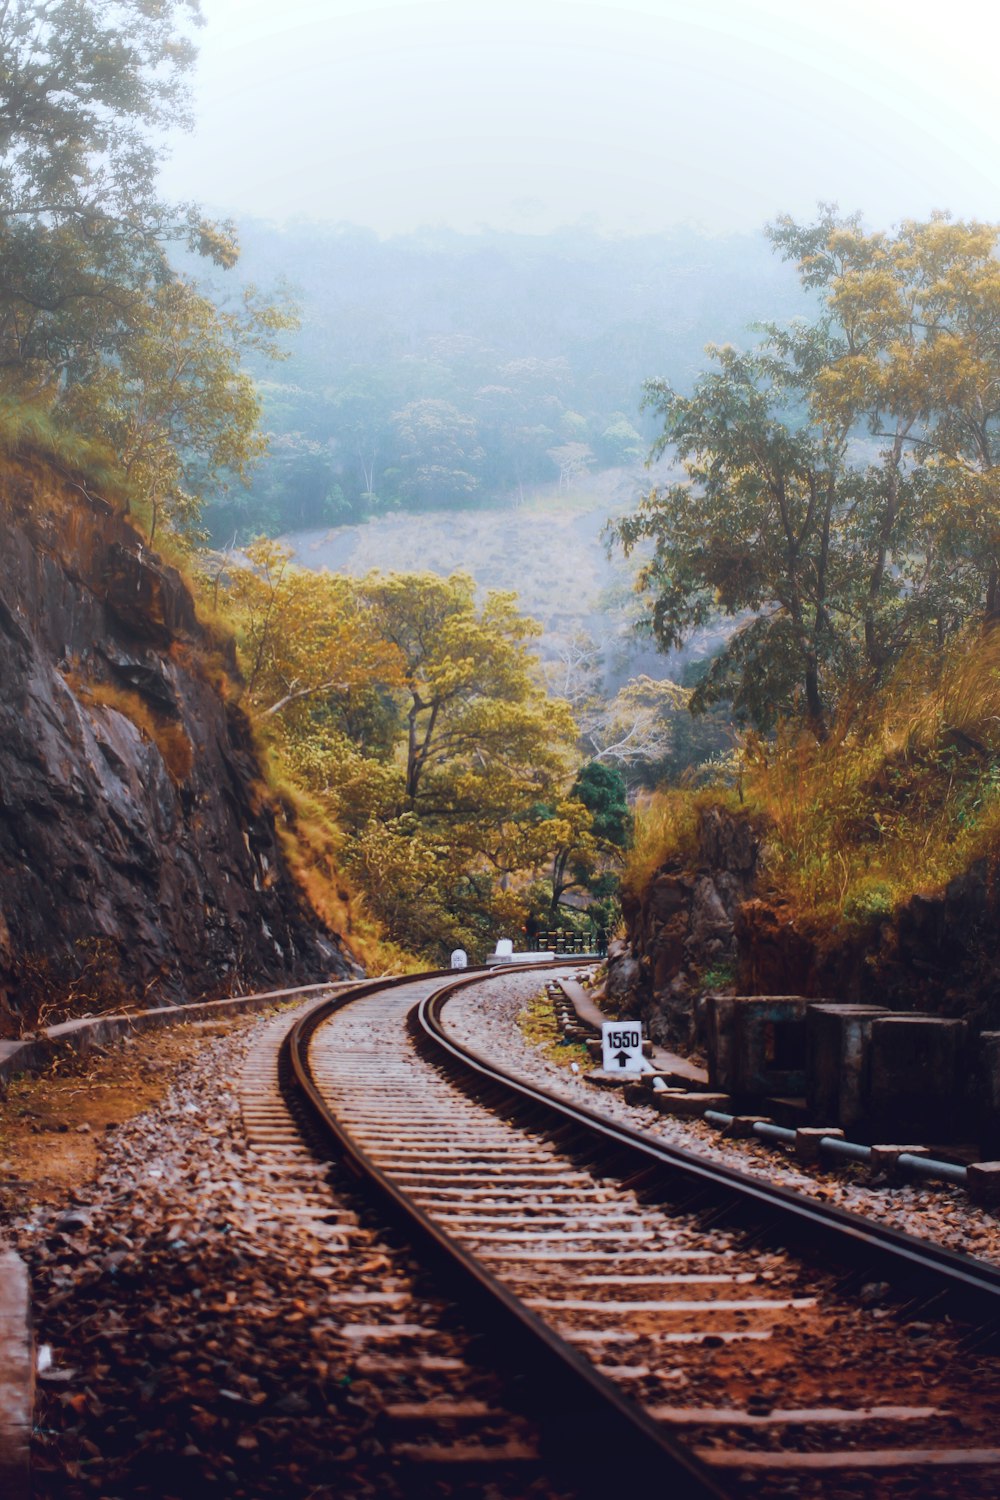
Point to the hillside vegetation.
(820, 532)
(841, 504)
(900, 797)
(406, 725)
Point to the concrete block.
(637, 1093)
(988, 1090)
(17, 1377)
(741, 1127)
(674, 1078)
(884, 1161)
(756, 1044)
(884, 1157)
(720, 1038)
(838, 1059)
(808, 1138)
(601, 1080)
(788, 1111)
(919, 1076)
(983, 1181)
(688, 1105)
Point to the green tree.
(95, 321)
(620, 443)
(440, 453)
(598, 826)
(471, 698)
(602, 791)
(176, 406)
(916, 361)
(86, 86)
(750, 532)
(842, 499)
(305, 637)
(412, 711)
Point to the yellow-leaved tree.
(413, 711)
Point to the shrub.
(900, 797)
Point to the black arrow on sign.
(621, 1058)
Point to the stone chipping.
(211, 1325)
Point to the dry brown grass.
(169, 736)
(312, 843)
(32, 438)
(666, 827)
(901, 797)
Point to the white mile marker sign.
(622, 1042)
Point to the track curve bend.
(682, 1323)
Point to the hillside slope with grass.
(139, 854)
(863, 867)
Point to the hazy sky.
(631, 116)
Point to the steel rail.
(631, 1444)
(920, 1269)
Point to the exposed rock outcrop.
(682, 926)
(137, 848)
(935, 953)
(712, 918)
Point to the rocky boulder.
(682, 927)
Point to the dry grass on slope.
(903, 796)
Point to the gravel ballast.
(214, 1323)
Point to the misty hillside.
(549, 550)
(447, 371)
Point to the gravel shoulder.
(214, 1320)
(167, 1298)
(53, 1125)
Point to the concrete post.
(808, 1138)
(919, 1081)
(17, 1377)
(838, 1055)
(983, 1181)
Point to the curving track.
(683, 1324)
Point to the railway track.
(677, 1322)
(449, 1423)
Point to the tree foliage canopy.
(95, 320)
(411, 709)
(841, 498)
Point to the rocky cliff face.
(138, 854)
(711, 923)
(682, 927)
(936, 953)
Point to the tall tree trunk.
(991, 614)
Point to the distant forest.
(442, 370)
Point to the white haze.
(628, 117)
